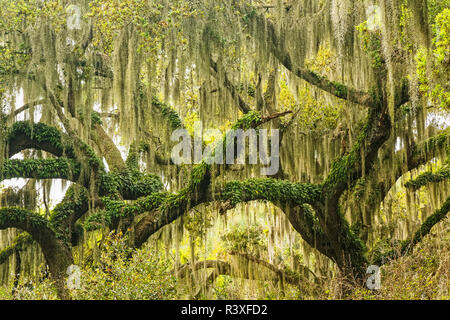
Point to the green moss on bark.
(273, 190)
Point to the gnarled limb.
(408, 245)
(18, 244)
(57, 254)
(377, 184)
(26, 107)
(28, 135)
(268, 271)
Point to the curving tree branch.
(57, 254)
(408, 245)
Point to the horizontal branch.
(273, 190)
(429, 177)
(194, 194)
(60, 168)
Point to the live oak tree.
(350, 85)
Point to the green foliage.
(371, 41)
(434, 8)
(125, 274)
(131, 184)
(132, 161)
(115, 209)
(144, 276)
(225, 288)
(428, 224)
(247, 121)
(427, 177)
(12, 61)
(433, 69)
(442, 39)
(324, 60)
(274, 190)
(152, 20)
(168, 112)
(41, 133)
(314, 114)
(248, 89)
(41, 169)
(245, 239)
(198, 222)
(342, 167)
(404, 23)
(85, 152)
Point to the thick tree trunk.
(58, 257)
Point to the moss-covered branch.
(57, 254)
(427, 225)
(429, 177)
(77, 159)
(26, 135)
(65, 214)
(408, 245)
(273, 190)
(196, 191)
(172, 116)
(129, 184)
(26, 107)
(26, 220)
(376, 186)
(267, 272)
(60, 168)
(20, 243)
